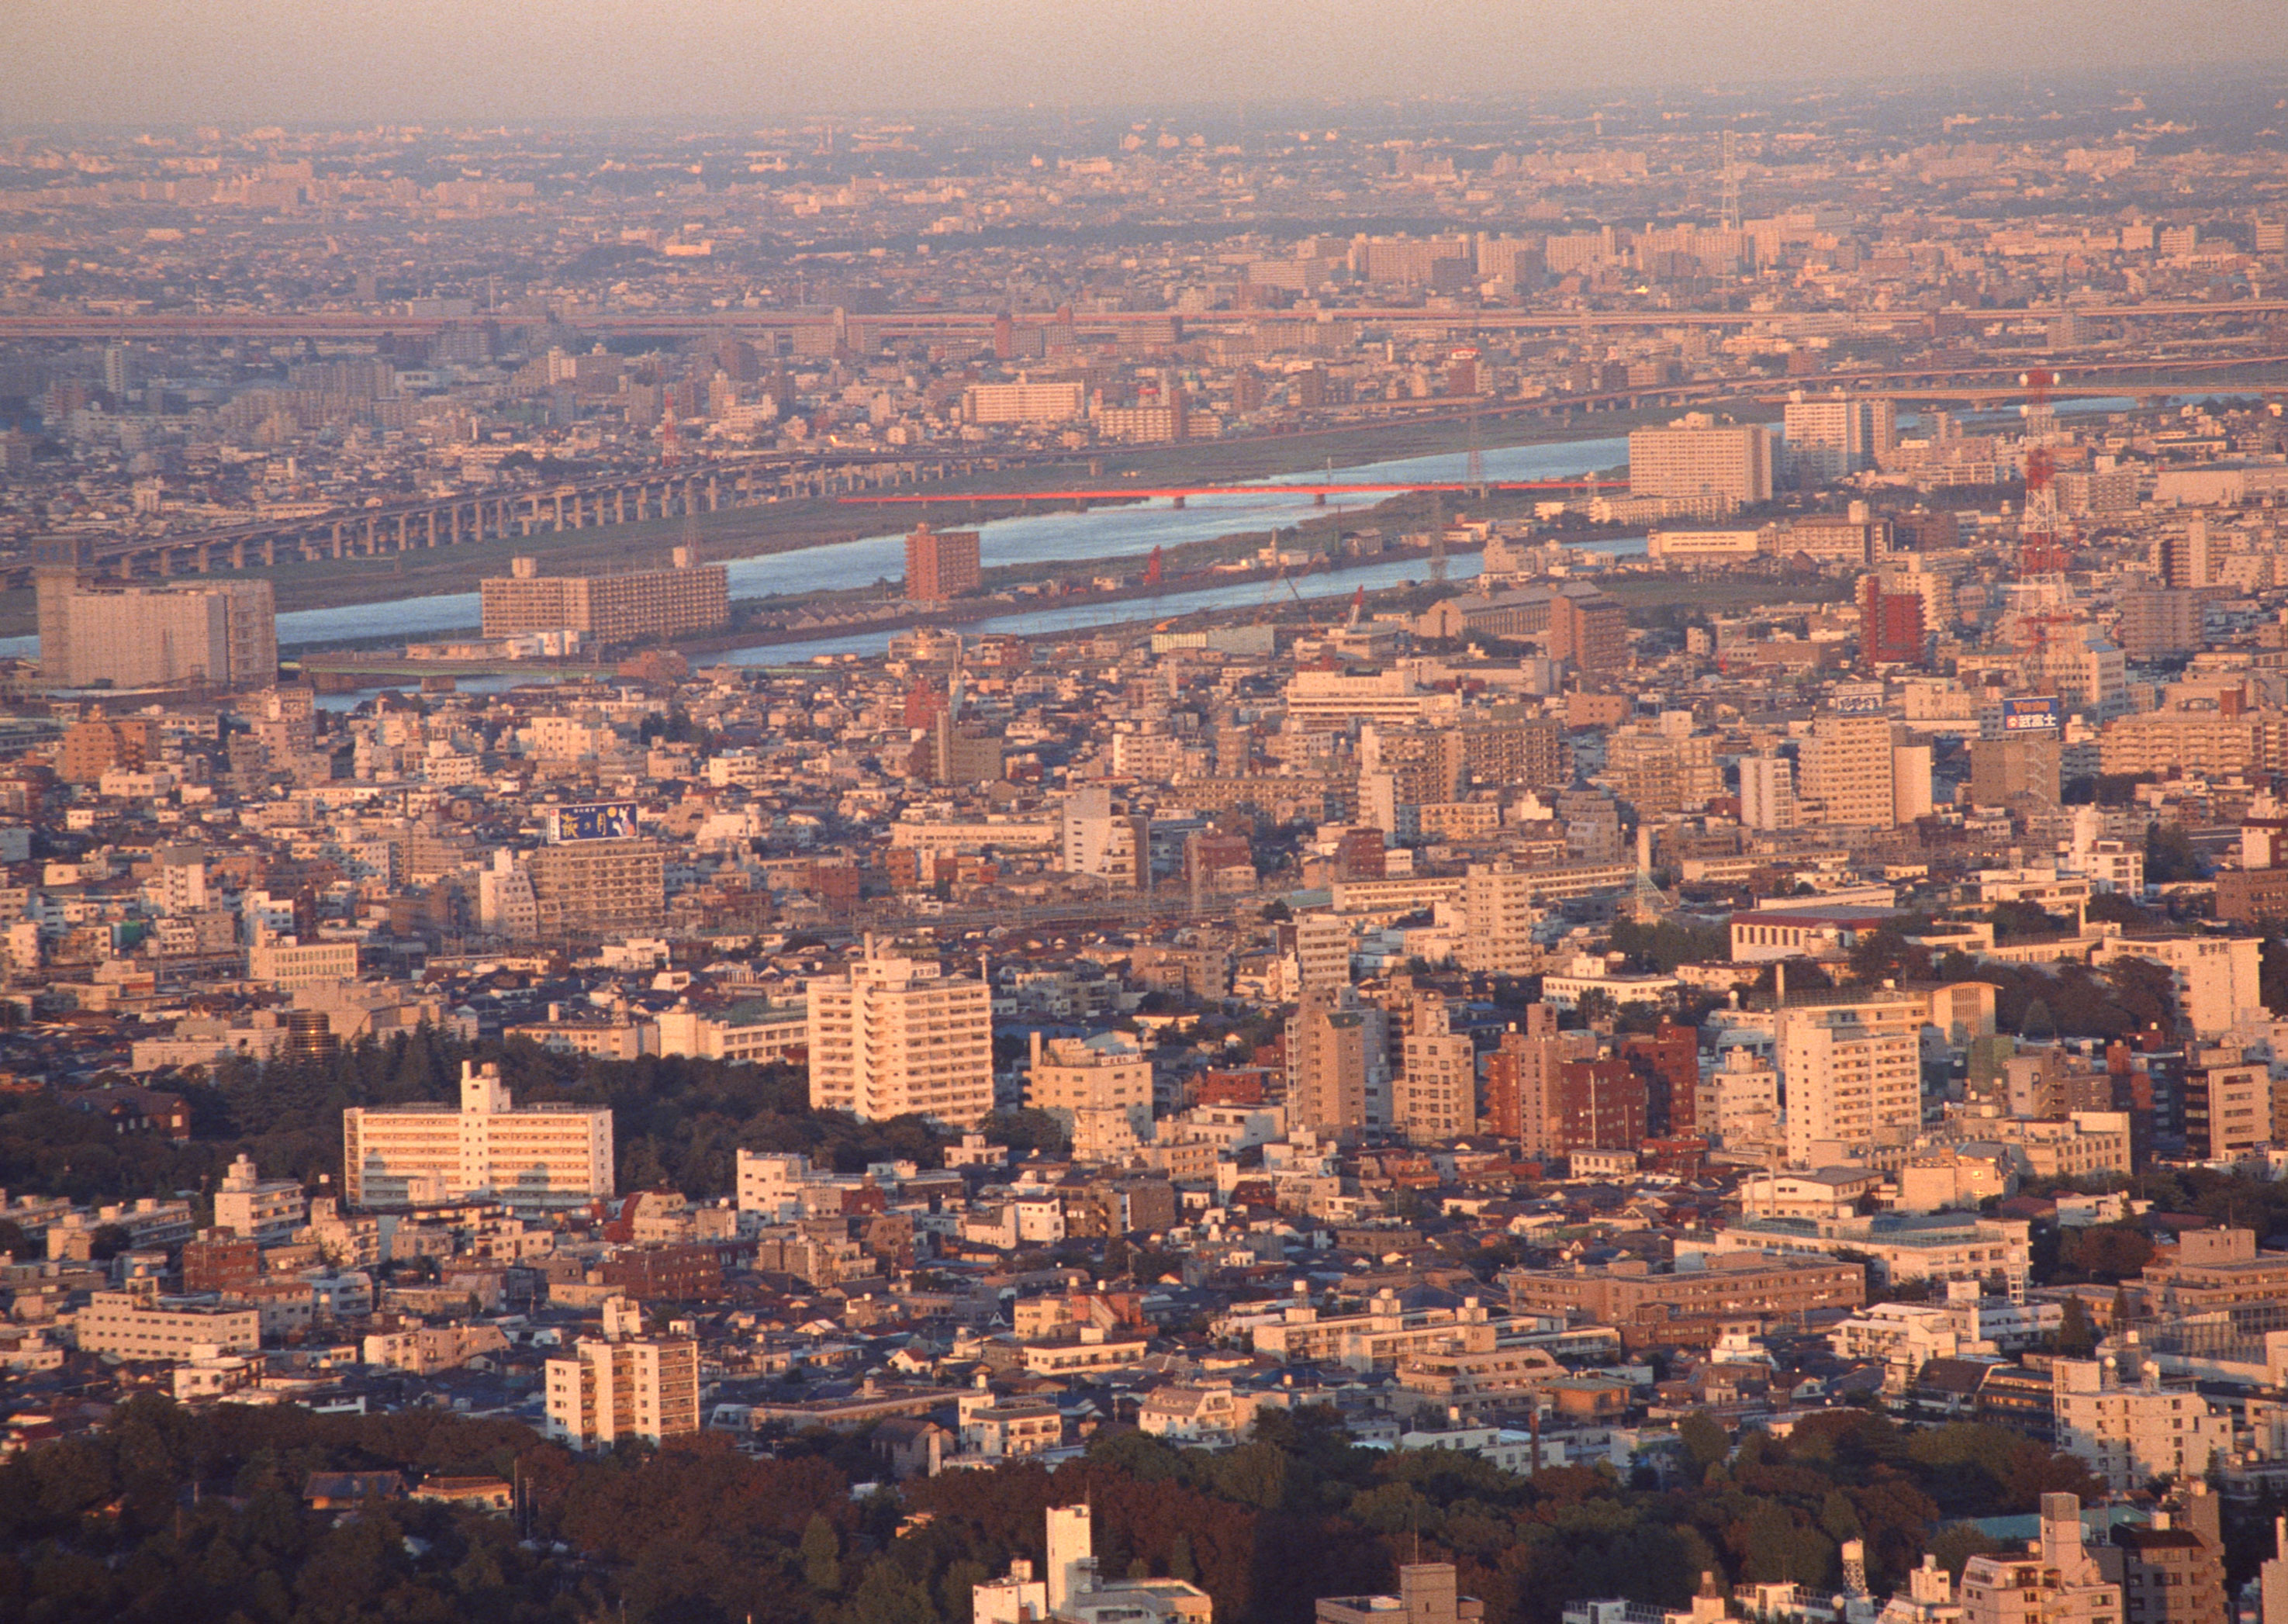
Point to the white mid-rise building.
(623, 1385)
(896, 1037)
(137, 1324)
(256, 1208)
(2130, 1433)
(530, 1158)
(1852, 1076)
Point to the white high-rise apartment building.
(1498, 901)
(1767, 792)
(1847, 767)
(1839, 435)
(1853, 1075)
(1436, 1095)
(1697, 458)
(2130, 1433)
(1323, 953)
(624, 1385)
(534, 1159)
(896, 1036)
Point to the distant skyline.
(239, 61)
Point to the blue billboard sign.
(2031, 716)
(595, 820)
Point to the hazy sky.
(131, 61)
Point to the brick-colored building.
(1747, 1286)
(941, 564)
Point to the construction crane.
(1358, 606)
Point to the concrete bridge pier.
(560, 512)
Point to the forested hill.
(177, 1516)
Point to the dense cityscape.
(1517, 862)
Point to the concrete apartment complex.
(897, 1036)
(536, 1158)
(224, 634)
(606, 610)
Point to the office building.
(1697, 458)
(895, 1037)
(1072, 1590)
(623, 1385)
(221, 633)
(533, 1159)
(2002, 769)
(1851, 1074)
(606, 610)
(941, 564)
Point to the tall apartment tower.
(1435, 1094)
(896, 1036)
(1850, 767)
(1523, 1078)
(941, 564)
(1696, 457)
(1852, 1076)
(1335, 1056)
(1834, 436)
(1767, 792)
(623, 1385)
(1498, 901)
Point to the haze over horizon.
(160, 61)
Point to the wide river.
(1100, 534)
(1110, 533)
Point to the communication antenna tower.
(2040, 549)
(1476, 476)
(1438, 537)
(1731, 179)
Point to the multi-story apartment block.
(532, 1158)
(895, 1037)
